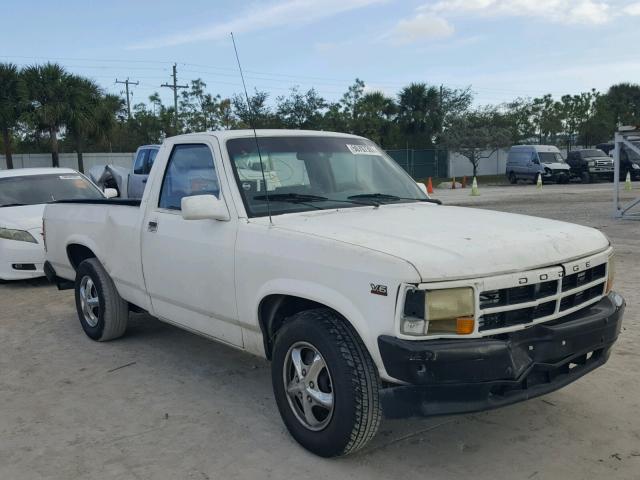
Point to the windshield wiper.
(384, 196)
(306, 198)
(14, 205)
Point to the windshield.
(37, 189)
(593, 153)
(306, 173)
(550, 157)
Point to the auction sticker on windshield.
(363, 149)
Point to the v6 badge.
(378, 289)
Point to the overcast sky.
(501, 48)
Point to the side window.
(140, 162)
(150, 159)
(190, 171)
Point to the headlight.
(17, 235)
(591, 163)
(438, 312)
(611, 268)
(635, 166)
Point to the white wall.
(69, 160)
(495, 164)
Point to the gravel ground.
(162, 403)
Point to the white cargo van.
(525, 162)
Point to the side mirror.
(110, 192)
(422, 187)
(203, 207)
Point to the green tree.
(84, 98)
(420, 114)
(624, 102)
(47, 93)
(376, 113)
(10, 105)
(575, 111)
(256, 114)
(477, 134)
(348, 106)
(300, 110)
(199, 109)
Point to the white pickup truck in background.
(367, 296)
(128, 182)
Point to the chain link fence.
(422, 163)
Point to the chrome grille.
(541, 295)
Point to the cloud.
(435, 19)
(423, 26)
(578, 11)
(261, 17)
(632, 9)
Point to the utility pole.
(175, 88)
(127, 82)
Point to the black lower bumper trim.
(460, 376)
(52, 276)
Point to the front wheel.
(325, 384)
(512, 178)
(102, 312)
(586, 178)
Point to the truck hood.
(28, 217)
(448, 243)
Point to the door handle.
(152, 226)
(144, 180)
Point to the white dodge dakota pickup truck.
(318, 252)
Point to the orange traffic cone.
(429, 186)
(453, 184)
(464, 182)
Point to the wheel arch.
(275, 308)
(77, 253)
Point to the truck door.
(188, 265)
(138, 177)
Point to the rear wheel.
(512, 178)
(325, 384)
(102, 312)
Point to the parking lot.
(163, 403)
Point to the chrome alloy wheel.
(89, 301)
(307, 382)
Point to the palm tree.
(84, 97)
(420, 113)
(47, 91)
(10, 103)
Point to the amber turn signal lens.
(465, 325)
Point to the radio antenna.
(253, 127)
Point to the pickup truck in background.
(129, 183)
(367, 296)
(590, 164)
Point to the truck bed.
(110, 229)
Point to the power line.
(175, 88)
(127, 82)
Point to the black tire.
(112, 313)
(512, 178)
(355, 383)
(586, 178)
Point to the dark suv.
(589, 164)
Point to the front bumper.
(556, 175)
(460, 376)
(21, 260)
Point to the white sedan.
(23, 195)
